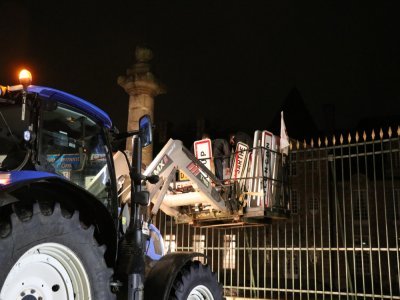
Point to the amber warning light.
(5, 179)
(25, 78)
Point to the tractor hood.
(13, 178)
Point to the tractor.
(62, 234)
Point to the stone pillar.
(141, 86)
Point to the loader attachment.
(201, 199)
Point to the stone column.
(141, 86)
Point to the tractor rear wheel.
(47, 254)
(196, 282)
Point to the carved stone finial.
(143, 54)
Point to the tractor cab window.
(12, 127)
(72, 145)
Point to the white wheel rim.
(200, 292)
(47, 271)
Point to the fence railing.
(341, 240)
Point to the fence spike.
(333, 140)
(364, 136)
(304, 144)
(290, 145)
(390, 132)
(312, 143)
(372, 135)
(381, 133)
(326, 141)
(398, 130)
(341, 139)
(297, 144)
(349, 138)
(319, 142)
(357, 136)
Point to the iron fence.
(341, 240)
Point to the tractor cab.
(43, 129)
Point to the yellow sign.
(182, 176)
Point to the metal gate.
(341, 240)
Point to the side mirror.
(145, 128)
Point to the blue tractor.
(61, 235)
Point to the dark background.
(332, 66)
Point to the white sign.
(239, 168)
(203, 152)
(266, 142)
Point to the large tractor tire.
(196, 282)
(46, 253)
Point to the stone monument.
(142, 87)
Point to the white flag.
(284, 145)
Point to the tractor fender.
(159, 280)
(55, 188)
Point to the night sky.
(233, 62)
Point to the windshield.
(71, 144)
(12, 128)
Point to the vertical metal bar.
(285, 263)
(245, 256)
(352, 220)
(183, 237)
(397, 210)
(272, 262)
(190, 230)
(329, 227)
(194, 239)
(218, 255)
(321, 224)
(238, 256)
(226, 258)
(349, 285)
(265, 262)
(369, 218)
(299, 254)
(360, 222)
(395, 206)
(278, 259)
(170, 231)
(258, 263)
(235, 256)
(304, 212)
(337, 218)
(377, 219)
(306, 226)
(252, 280)
(206, 250)
(215, 261)
(313, 222)
(177, 237)
(292, 265)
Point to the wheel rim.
(200, 292)
(47, 271)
